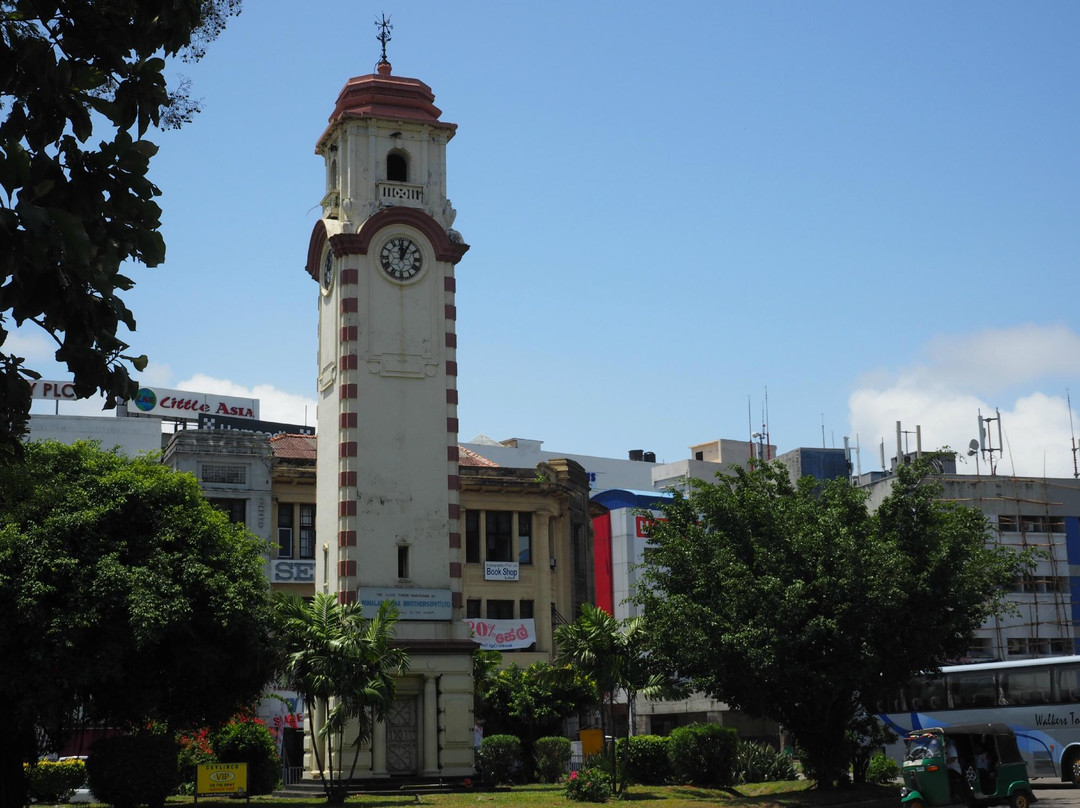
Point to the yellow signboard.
(592, 742)
(221, 778)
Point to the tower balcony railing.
(400, 193)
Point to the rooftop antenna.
(822, 430)
(986, 441)
(383, 36)
(768, 445)
(881, 447)
(750, 429)
(848, 450)
(1068, 401)
(973, 451)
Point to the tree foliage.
(795, 603)
(72, 211)
(344, 667)
(531, 702)
(126, 598)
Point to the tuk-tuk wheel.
(915, 804)
(1021, 799)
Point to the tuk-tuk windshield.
(920, 747)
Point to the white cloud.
(274, 405)
(991, 370)
(32, 344)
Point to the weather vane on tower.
(383, 36)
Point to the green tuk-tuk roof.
(1002, 735)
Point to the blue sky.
(868, 209)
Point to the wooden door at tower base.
(402, 737)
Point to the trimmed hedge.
(500, 759)
(130, 770)
(645, 758)
(552, 758)
(703, 754)
(54, 781)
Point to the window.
(293, 543)
(1024, 686)
(472, 537)
(220, 473)
(307, 531)
(472, 608)
(972, 690)
(285, 531)
(397, 167)
(500, 536)
(403, 561)
(524, 538)
(525, 609)
(1034, 523)
(500, 610)
(235, 509)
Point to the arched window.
(397, 167)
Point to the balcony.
(402, 194)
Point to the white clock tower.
(384, 254)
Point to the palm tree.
(344, 666)
(614, 655)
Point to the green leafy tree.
(126, 598)
(795, 603)
(73, 210)
(344, 667)
(531, 702)
(614, 654)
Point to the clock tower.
(384, 255)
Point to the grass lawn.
(794, 794)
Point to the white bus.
(1038, 698)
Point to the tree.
(127, 598)
(531, 702)
(71, 212)
(614, 654)
(344, 667)
(795, 603)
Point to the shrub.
(54, 781)
(703, 754)
(130, 770)
(251, 742)
(552, 758)
(645, 758)
(500, 758)
(194, 749)
(588, 785)
(882, 769)
(760, 763)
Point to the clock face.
(328, 272)
(401, 258)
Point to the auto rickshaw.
(972, 764)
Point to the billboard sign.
(233, 423)
(503, 635)
(501, 571)
(162, 402)
(52, 390)
(414, 604)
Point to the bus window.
(969, 690)
(927, 694)
(1025, 686)
(1068, 683)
